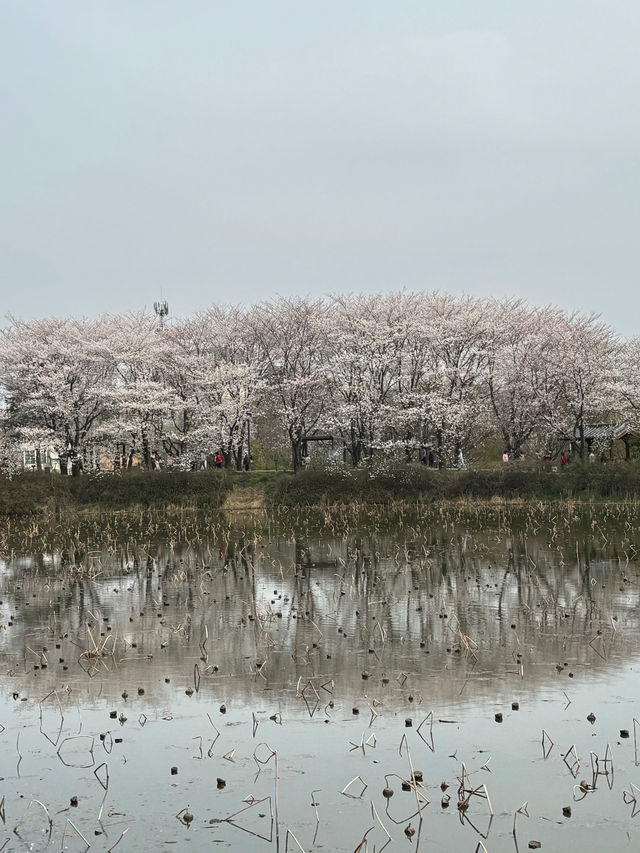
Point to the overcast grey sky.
(232, 151)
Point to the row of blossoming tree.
(384, 374)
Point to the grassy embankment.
(37, 492)
(411, 483)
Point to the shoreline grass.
(36, 493)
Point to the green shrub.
(413, 482)
(32, 492)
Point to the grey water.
(271, 679)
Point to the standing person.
(505, 456)
(563, 460)
(55, 460)
(218, 460)
(461, 462)
(423, 455)
(432, 458)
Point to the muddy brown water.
(277, 666)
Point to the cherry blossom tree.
(628, 379)
(56, 382)
(518, 348)
(580, 376)
(447, 388)
(291, 338)
(226, 377)
(185, 353)
(367, 338)
(139, 399)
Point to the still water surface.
(271, 662)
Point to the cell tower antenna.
(162, 310)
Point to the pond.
(265, 682)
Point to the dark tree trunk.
(146, 453)
(296, 446)
(440, 449)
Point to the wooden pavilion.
(600, 435)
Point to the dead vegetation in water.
(304, 611)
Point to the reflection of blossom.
(416, 580)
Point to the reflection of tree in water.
(403, 599)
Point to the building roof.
(606, 432)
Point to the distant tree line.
(385, 374)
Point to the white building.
(49, 459)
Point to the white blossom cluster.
(386, 375)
